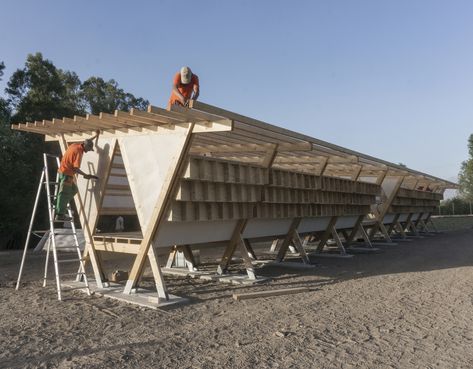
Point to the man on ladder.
(70, 165)
(64, 190)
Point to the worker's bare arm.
(196, 92)
(181, 98)
(85, 175)
(97, 134)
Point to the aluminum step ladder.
(80, 275)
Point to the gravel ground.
(409, 306)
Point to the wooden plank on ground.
(280, 292)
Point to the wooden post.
(418, 219)
(232, 245)
(287, 239)
(245, 254)
(300, 247)
(401, 229)
(408, 221)
(385, 207)
(171, 256)
(157, 273)
(326, 234)
(249, 248)
(274, 245)
(337, 240)
(355, 230)
(384, 231)
(365, 236)
(393, 224)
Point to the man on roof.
(185, 87)
(70, 165)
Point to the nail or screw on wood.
(284, 291)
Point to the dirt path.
(408, 307)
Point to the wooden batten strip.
(93, 123)
(246, 131)
(82, 125)
(155, 115)
(104, 122)
(42, 125)
(230, 148)
(195, 115)
(227, 139)
(133, 120)
(54, 126)
(132, 126)
(165, 112)
(40, 128)
(28, 127)
(114, 118)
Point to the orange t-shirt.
(185, 90)
(71, 159)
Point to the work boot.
(62, 218)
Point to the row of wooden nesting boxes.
(414, 201)
(214, 189)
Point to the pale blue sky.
(392, 79)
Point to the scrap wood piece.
(284, 291)
(105, 311)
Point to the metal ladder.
(51, 242)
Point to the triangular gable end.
(148, 160)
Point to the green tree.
(101, 96)
(40, 91)
(465, 177)
(18, 166)
(37, 91)
(454, 206)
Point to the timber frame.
(204, 175)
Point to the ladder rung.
(70, 260)
(56, 233)
(52, 183)
(51, 155)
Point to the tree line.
(35, 92)
(455, 206)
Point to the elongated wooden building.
(204, 175)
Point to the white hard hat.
(186, 75)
